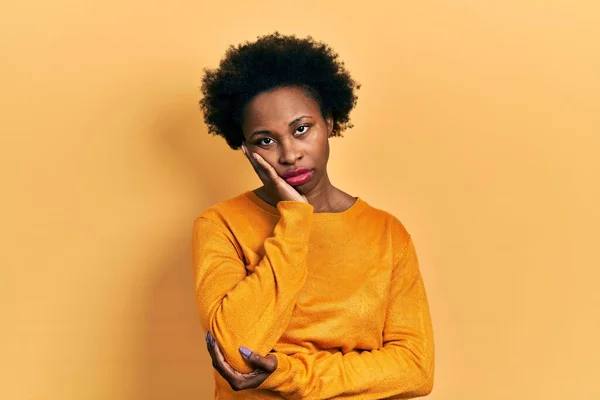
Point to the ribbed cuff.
(293, 204)
(296, 220)
(280, 375)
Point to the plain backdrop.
(478, 126)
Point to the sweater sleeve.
(402, 368)
(250, 310)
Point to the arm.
(253, 310)
(402, 368)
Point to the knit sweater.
(338, 298)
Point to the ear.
(329, 123)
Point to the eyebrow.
(290, 124)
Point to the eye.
(260, 142)
(302, 128)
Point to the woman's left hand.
(263, 366)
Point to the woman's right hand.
(276, 187)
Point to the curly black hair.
(273, 61)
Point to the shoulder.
(390, 223)
(223, 213)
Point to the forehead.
(279, 106)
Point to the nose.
(290, 152)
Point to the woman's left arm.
(402, 368)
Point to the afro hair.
(273, 61)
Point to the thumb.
(257, 361)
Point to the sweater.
(338, 298)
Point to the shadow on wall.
(176, 364)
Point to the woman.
(306, 292)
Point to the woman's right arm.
(250, 310)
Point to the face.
(285, 126)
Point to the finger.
(257, 361)
(217, 362)
(268, 168)
(213, 359)
(236, 379)
(208, 344)
(271, 363)
(210, 348)
(223, 364)
(260, 171)
(249, 156)
(256, 380)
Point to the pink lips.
(299, 179)
(295, 172)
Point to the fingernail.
(245, 351)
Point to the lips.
(300, 179)
(295, 172)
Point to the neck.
(324, 197)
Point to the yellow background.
(477, 125)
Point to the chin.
(307, 187)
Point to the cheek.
(319, 138)
(270, 157)
(326, 152)
(320, 145)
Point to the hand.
(264, 366)
(275, 186)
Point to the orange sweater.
(338, 298)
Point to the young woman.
(306, 292)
